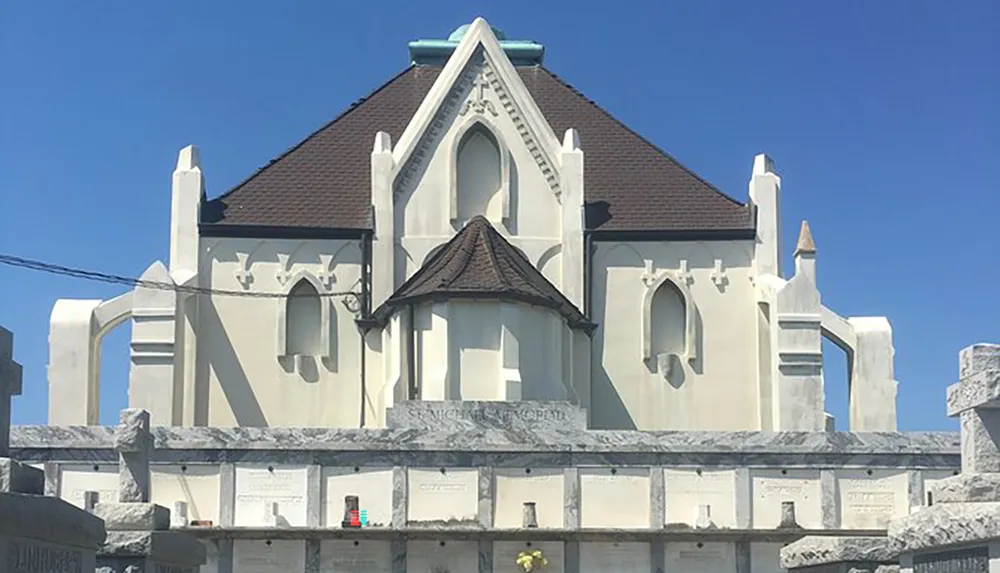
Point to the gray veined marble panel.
(498, 448)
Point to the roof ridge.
(353, 106)
(489, 241)
(641, 137)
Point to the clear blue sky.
(882, 117)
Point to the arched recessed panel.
(668, 321)
(303, 323)
(689, 347)
(304, 318)
(480, 182)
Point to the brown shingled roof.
(478, 263)
(324, 181)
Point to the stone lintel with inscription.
(822, 550)
(545, 418)
(49, 519)
(945, 525)
(164, 547)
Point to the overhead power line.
(97, 276)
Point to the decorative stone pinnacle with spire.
(805, 244)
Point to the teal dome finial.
(459, 33)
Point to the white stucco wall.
(488, 350)
(718, 388)
(243, 376)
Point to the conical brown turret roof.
(478, 263)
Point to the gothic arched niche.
(668, 322)
(668, 326)
(304, 321)
(481, 175)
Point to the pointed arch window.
(304, 319)
(480, 181)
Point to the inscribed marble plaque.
(870, 501)
(691, 557)
(372, 486)
(448, 496)
(771, 487)
(257, 488)
(625, 557)
(614, 498)
(686, 490)
(765, 557)
(505, 555)
(516, 486)
(196, 484)
(74, 480)
(22, 555)
(342, 556)
(276, 556)
(442, 557)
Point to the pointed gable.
(478, 263)
(324, 182)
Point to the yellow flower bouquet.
(530, 561)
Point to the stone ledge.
(814, 550)
(944, 525)
(133, 516)
(16, 477)
(233, 441)
(532, 534)
(966, 488)
(49, 519)
(170, 547)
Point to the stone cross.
(10, 386)
(975, 400)
(134, 444)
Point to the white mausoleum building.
(476, 229)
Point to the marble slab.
(689, 488)
(931, 450)
(514, 487)
(259, 488)
(624, 557)
(442, 556)
(615, 498)
(697, 557)
(765, 557)
(197, 485)
(74, 480)
(266, 556)
(443, 495)
(505, 555)
(373, 486)
(868, 499)
(345, 556)
(770, 488)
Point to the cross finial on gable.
(134, 444)
(975, 400)
(10, 386)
